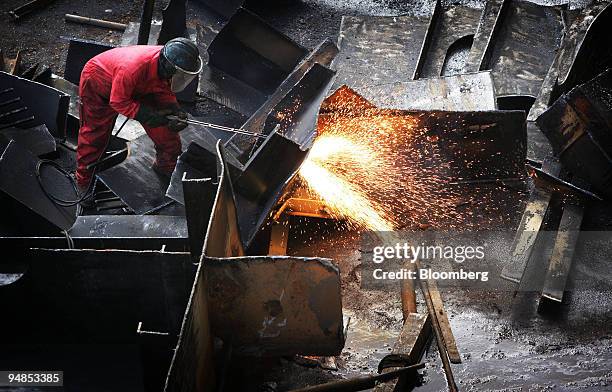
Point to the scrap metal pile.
(159, 271)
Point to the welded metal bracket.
(260, 305)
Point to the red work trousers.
(97, 122)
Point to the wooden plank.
(437, 329)
(447, 332)
(411, 343)
(561, 259)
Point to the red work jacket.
(127, 74)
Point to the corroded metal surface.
(378, 50)
(449, 25)
(467, 92)
(276, 305)
(517, 41)
(583, 38)
(529, 228)
(560, 261)
(578, 126)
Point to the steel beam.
(529, 228)
(145, 22)
(174, 21)
(409, 348)
(225, 8)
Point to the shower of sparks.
(378, 171)
(345, 199)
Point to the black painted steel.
(323, 54)
(37, 140)
(45, 104)
(174, 23)
(247, 61)
(295, 113)
(110, 292)
(25, 207)
(80, 51)
(225, 8)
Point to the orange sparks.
(375, 171)
(344, 199)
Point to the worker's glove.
(180, 124)
(152, 117)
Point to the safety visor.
(181, 77)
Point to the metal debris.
(247, 62)
(517, 40)
(578, 126)
(27, 210)
(450, 31)
(43, 105)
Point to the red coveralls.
(118, 81)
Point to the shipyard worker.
(138, 82)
